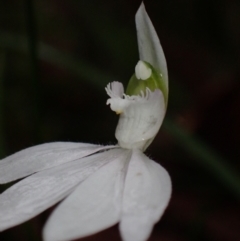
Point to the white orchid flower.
(100, 185)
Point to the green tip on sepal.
(146, 76)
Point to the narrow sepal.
(44, 156)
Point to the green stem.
(83, 70)
(35, 86)
(205, 156)
(33, 52)
(32, 39)
(2, 139)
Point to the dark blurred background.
(56, 57)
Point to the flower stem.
(2, 139)
(33, 52)
(35, 90)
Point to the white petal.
(94, 206)
(36, 193)
(44, 156)
(146, 194)
(150, 49)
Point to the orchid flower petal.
(146, 194)
(150, 49)
(44, 156)
(40, 191)
(94, 206)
